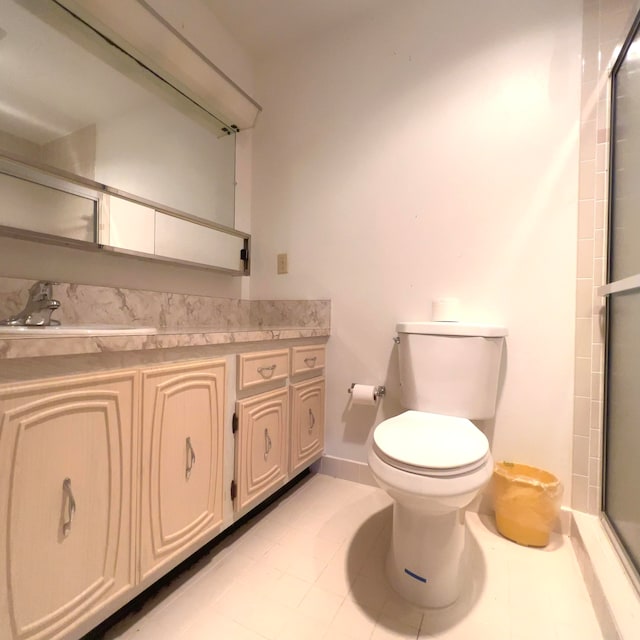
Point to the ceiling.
(264, 26)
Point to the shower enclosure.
(621, 477)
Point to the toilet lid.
(430, 441)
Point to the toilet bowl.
(433, 466)
(432, 460)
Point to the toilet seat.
(430, 444)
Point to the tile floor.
(311, 568)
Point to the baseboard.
(345, 469)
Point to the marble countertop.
(167, 338)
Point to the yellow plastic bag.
(526, 501)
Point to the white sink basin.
(77, 330)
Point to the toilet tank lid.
(452, 329)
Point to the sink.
(75, 330)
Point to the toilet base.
(425, 560)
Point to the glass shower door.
(622, 382)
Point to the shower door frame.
(630, 283)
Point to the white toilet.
(432, 460)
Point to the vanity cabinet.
(307, 423)
(67, 447)
(181, 462)
(109, 480)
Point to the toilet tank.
(450, 368)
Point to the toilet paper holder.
(379, 389)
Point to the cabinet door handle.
(267, 372)
(191, 458)
(70, 502)
(311, 361)
(267, 443)
(312, 421)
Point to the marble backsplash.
(87, 304)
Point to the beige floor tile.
(266, 617)
(312, 568)
(354, 621)
(370, 592)
(289, 590)
(390, 629)
(320, 604)
(301, 627)
(336, 577)
(213, 626)
(395, 608)
(306, 566)
(253, 545)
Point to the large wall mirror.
(76, 112)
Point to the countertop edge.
(28, 347)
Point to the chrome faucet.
(39, 307)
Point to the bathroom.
(405, 153)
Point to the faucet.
(39, 307)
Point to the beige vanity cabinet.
(181, 462)
(307, 423)
(262, 446)
(67, 449)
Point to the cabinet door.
(307, 423)
(66, 498)
(262, 446)
(182, 457)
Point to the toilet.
(431, 459)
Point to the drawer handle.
(191, 458)
(71, 506)
(267, 443)
(312, 421)
(267, 372)
(311, 361)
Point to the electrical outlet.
(283, 266)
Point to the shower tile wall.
(606, 23)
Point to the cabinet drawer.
(263, 366)
(309, 358)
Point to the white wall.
(428, 151)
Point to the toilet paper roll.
(445, 310)
(364, 394)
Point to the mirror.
(67, 215)
(75, 107)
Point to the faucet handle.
(41, 290)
